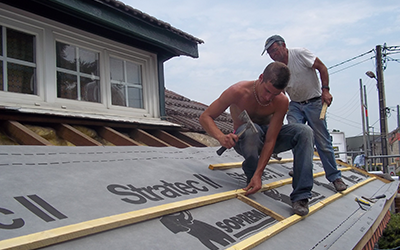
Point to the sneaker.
(300, 207)
(291, 173)
(339, 185)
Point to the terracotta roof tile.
(185, 112)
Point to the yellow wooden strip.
(61, 234)
(260, 207)
(323, 111)
(225, 165)
(362, 171)
(74, 231)
(221, 166)
(287, 181)
(282, 225)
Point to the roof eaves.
(149, 19)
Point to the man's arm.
(324, 75)
(212, 112)
(282, 104)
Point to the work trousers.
(309, 113)
(295, 137)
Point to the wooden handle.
(323, 111)
(221, 150)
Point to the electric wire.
(351, 65)
(350, 107)
(351, 59)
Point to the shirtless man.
(266, 104)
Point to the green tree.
(390, 237)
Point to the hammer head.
(244, 117)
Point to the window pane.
(20, 45)
(90, 90)
(135, 97)
(118, 94)
(66, 56)
(89, 62)
(117, 69)
(21, 79)
(133, 73)
(67, 86)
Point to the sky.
(234, 33)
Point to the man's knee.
(304, 133)
(303, 129)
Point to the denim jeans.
(310, 112)
(298, 138)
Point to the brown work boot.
(339, 185)
(300, 207)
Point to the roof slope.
(167, 198)
(183, 111)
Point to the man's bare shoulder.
(238, 90)
(281, 102)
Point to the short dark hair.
(278, 74)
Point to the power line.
(351, 65)
(343, 120)
(351, 59)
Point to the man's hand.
(254, 185)
(326, 97)
(229, 140)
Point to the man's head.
(278, 74)
(276, 48)
(271, 40)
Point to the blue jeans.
(298, 138)
(309, 112)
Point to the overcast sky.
(234, 33)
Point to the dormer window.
(64, 69)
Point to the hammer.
(244, 117)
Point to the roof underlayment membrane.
(168, 198)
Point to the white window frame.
(21, 98)
(47, 32)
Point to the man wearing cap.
(306, 99)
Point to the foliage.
(390, 238)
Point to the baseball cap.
(271, 40)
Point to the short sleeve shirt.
(303, 83)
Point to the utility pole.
(369, 151)
(363, 121)
(382, 107)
